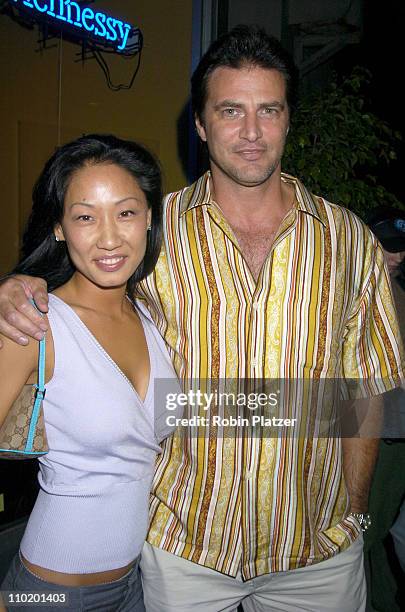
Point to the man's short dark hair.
(243, 46)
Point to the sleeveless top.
(91, 514)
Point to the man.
(258, 279)
(388, 487)
(388, 224)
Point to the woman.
(94, 232)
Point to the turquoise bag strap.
(39, 395)
(41, 369)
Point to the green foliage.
(337, 147)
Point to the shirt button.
(254, 362)
(255, 305)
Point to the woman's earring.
(149, 228)
(57, 239)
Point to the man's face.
(245, 123)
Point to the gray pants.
(123, 595)
(173, 584)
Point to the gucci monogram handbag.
(22, 435)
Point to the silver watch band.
(363, 518)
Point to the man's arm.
(360, 453)
(372, 357)
(18, 318)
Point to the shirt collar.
(199, 194)
(305, 201)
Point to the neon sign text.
(97, 24)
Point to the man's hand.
(18, 318)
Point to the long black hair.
(44, 257)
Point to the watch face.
(364, 520)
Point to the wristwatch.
(364, 519)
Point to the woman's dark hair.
(243, 45)
(41, 254)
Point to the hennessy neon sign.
(96, 24)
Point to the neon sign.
(84, 20)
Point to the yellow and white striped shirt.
(321, 308)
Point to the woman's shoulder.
(18, 363)
(59, 309)
(55, 301)
(11, 349)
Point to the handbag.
(22, 434)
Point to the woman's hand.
(18, 318)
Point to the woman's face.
(104, 224)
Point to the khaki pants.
(173, 584)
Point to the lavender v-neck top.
(91, 514)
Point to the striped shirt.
(321, 308)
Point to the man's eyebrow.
(232, 103)
(235, 104)
(273, 104)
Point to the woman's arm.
(18, 318)
(18, 365)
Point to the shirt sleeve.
(373, 355)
